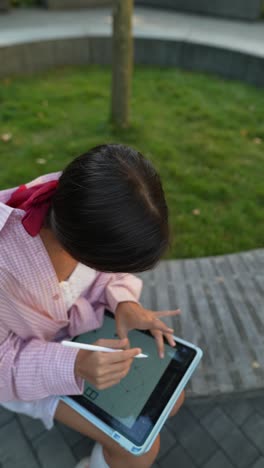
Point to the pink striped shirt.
(33, 313)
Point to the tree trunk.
(122, 61)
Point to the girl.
(65, 240)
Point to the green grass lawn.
(204, 135)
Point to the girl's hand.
(102, 369)
(130, 315)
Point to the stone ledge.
(35, 56)
(221, 300)
(76, 4)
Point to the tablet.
(134, 411)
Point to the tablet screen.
(134, 405)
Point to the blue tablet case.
(125, 401)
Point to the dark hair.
(109, 211)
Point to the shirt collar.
(5, 212)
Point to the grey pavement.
(219, 434)
(29, 25)
(222, 422)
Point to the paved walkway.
(26, 25)
(210, 435)
(222, 422)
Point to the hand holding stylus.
(105, 369)
(93, 347)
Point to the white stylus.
(90, 347)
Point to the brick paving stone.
(254, 429)
(218, 460)
(217, 423)
(259, 463)
(82, 448)
(239, 411)
(199, 444)
(5, 416)
(53, 451)
(192, 436)
(258, 403)
(239, 449)
(15, 451)
(32, 427)
(182, 423)
(198, 410)
(167, 441)
(177, 458)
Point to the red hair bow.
(35, 201)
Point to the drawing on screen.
(125, 400)
(136, 383)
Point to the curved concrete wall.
(39, 55)
(75, 4)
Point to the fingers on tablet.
(159, 325)
(170, 339)
(158, 335)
